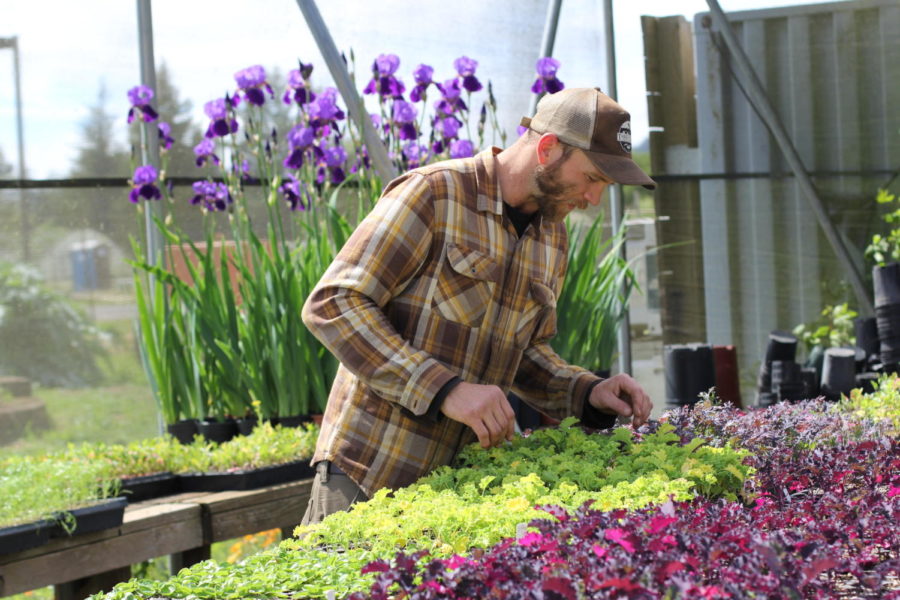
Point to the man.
(444, 297)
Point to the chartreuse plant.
(884, 249)
(267, 445)
(47, 488)
(142, 457)
(881, 405)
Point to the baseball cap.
(592, 121)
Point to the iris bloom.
(415, 154)
(205, 152)
(422, 75)
(298, 90)
(165, 135)
(383, 80)
(451, 99)
(143, 184)
(252, 81)
(299, 139)
(334, 158)
(461, 149)
(466, 66)
(547, 81)
(404, 115)
(294, 192)
(448, 127)
(221, 122)
(140, 97)
(211, 195)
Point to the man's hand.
(485, 409)
(622, 395)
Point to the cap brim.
(621, 169)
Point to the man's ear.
(547, 148)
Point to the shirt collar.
(487, 184)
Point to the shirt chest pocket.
(465, 286)
(538, 321)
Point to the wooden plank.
(272, 513)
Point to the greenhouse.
(385, 300)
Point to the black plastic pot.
(246, 425)
(291, 420)
(183, 430)
(782, 346)
(103, 515)
(866, 330)
(145, 487)
(246, 479)
(810, 378)
(886, 281)
(217, 431)
(868, 382)
(838, 372)
(17, 538)
(689, 369)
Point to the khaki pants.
(332, 491)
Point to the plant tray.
(17, 538)
(145, 487)
(246, 479)
(104, 515)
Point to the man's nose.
(595, 193)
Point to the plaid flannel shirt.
(436, 283)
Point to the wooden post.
(671, 86)
(86, 586)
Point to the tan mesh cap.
(589, 119)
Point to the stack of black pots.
(690, 370)
(780, 377)
(886, 281)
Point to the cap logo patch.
(624, 136)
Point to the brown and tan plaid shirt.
(436, 283)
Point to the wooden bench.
(182, 526)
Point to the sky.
(69, 51)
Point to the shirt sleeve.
(345, 311)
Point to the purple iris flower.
(415, 154)
(383, 80)
(334, 158)
(140, 97)
(222, 123)
(448, 127)
(252, 81)
(297, 90)
(165, 135)
(547, 81)
(451, 99)
(404, 115)
(211, 195)
(422, 75)
(205, 152)
(466, 66)
(461, 149)
(324, 109)
(144, 184)
(294, 192)
(300, 136)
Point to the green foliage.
(594, 298)
(48, 488)
(42, 336)
(833, 328)
(881, 405)
(884, 249)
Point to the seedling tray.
(145, 487)
(104, 515)
(17, 538)
(247, 479)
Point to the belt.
(325, 468)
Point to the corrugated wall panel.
(831, 72)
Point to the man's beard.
(552, 192)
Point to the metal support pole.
(149, 131)
(25, 225)
(615, 190)
(757, 97)
(547, 42)
(377, 151)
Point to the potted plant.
(884, 252)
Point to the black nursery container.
(183, 430)
(838, 372)
(886, 280)
(690, 369)
(866, 330)
(217, 431)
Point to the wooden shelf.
(182, 524)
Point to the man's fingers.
(481, 431)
